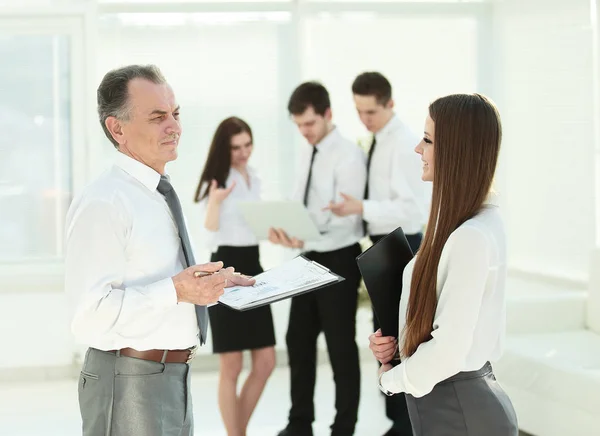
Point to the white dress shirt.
(469, 322)
(233, 229)
(339, 167)
(397, 195)
(122, 248)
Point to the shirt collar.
(329, 139)
(139, 171)
(235, 171)
(391, 125)
(492, 199)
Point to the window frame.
(43, 273)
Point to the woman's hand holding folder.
(384, 348)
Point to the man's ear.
(328, 114)
(390, 104)
(116, 129)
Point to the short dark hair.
(309, 94)
(113, 95)
(373, 84)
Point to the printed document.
(294, 277)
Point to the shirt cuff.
(367, 214)
(309, 246)
(162, 293)
(380, 383)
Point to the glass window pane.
(35, 166)
(422, 57)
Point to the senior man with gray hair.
(140, 299)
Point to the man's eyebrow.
(158, 112)
(162, 112)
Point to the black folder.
(381, 266)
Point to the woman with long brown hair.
(452, 310)
(227, 180)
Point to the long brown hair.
(466, 142)
(218, 162)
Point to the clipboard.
(287, 289)
(381, 267)
(291, 216)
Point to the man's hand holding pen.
(204, 284)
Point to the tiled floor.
(51, 409)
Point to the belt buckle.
(192, 354)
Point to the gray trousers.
(124, 396)
(467, 404)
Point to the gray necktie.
(166, 189)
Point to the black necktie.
(166, 189)
(307, 187)
(366, 196)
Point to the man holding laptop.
(331, 165)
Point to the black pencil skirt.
(468, 404)
(233, 330)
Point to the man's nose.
(173, 126)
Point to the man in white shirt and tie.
(331, 164)
(139, 298)
(394, 194)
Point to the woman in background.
(227, 180)
(452, 310)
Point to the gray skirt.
(467, 404)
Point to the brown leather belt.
(173, 356)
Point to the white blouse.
(233, 230)
(470, 319)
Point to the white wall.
(416, 53)
(543, 85)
